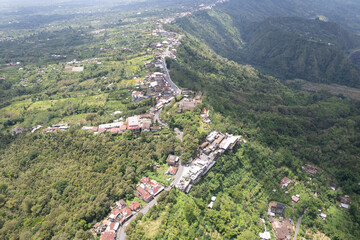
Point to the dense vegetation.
(56, 186)
(59, 185)
(286, 129)
(285, 47)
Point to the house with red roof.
(285, 182)
(134, 206)
(115, 131)
(295, 198)
(143, 194)
(114, 214)
(122, 128)
(172, 170)
(126, 213)
(102, 130)
(108, 235)
(145, 180)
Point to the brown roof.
(173, 170)
(114, 130)
(171, 159)
(108, 236)
(134, 205)
(285, 180)
(157, 189)
(145, 180)
(295, 198)
(144, 194)
(126, 212)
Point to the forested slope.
(57, 186)
(285, 47)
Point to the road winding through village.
(121, 234)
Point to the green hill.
(286, 47)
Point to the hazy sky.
(19, 3)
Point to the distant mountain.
(345, 13)
(286, 47)
(301, 48)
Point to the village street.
(157, 118)
(167, 75)
(121, 232)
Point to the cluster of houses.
(282, 227)
(13, 64)
(147, 189)
(119, 214)
(309, 168)
(215, 145)
(137, 96)
(55, 128)
(205, 115)
(135, 124)
(172, 161)
(159, 88)
(107, 228)
(189, 104)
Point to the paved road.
(178, 174)
(167, 75)
(298, 224)
(157, 118)
(121, 234)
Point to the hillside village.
(158, 86)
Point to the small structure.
(126, 213)
(109, 235)
(285, 182)
(323, 216)
(295, 198)
(77, 69)
(137, 96)
(213, 199)
(172, 170)
(17, 130)
(133, 124)
(282, 229)
(345, 199)
(134, 206)
(121, 204)
(115, 131)
(310, 168)
(143, 194)
(172, 160)
(265, 235)
(344, 205)
(279, 209)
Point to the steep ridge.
(286, 47)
